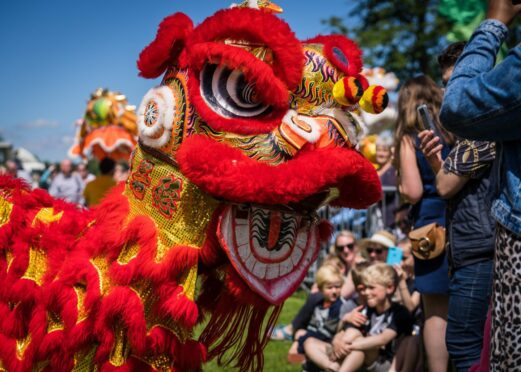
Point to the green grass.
(276, 351)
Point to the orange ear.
(166, 47)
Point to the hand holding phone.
(394, 256)
(424, 118)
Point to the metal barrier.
(362, 222)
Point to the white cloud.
(41, 123)
(68, 140)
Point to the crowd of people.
(74, 183)
(460, 170)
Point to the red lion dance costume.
(216, 225)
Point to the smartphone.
(394, 256)
(424, 118)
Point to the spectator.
(66, 185)
(36, 177)
(447, 59)
(376, 247)
(482, 103)
(14, 168)
(372, 344)
(345, 248)
(86, 177)
(11, 168)
(408, 353)
(121, 171)
(387, 174)
(96, 190)
(84, 173)
(351, 309)
(417, 186)
(356, 303)
(48, 176)
(324, 322)
(407, 295)
(402, 223)
(464, 179)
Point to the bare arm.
(410, 300)
(449, 184)
(373, 342)
(411, 186)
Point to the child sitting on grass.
(351, 308)
(371, 346)
(325, 319)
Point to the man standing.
(483, 102)
(67, 185)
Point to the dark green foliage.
(402, 36)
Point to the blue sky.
(56, 52)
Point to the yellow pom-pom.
(374, 100)
(348, 91)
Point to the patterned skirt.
(505, 352)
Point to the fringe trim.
(237, 331)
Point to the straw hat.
(381, 237)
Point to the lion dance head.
(248, 134)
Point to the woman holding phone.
(417, 185)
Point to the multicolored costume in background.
(108, 128)
(216, 225)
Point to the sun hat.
(382, 237)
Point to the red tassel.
(242, 350)
(325, 230)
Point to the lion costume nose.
(322, 131)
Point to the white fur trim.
(122, 142)
(164, 99)
(253, 4)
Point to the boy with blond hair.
(371, 345)
(326, 316)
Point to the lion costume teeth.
(216, 225)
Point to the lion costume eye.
(155, 116)
(229, 94)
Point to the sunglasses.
(375, 250)
(350, 246)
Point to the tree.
(402, 36)
(405, 36)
